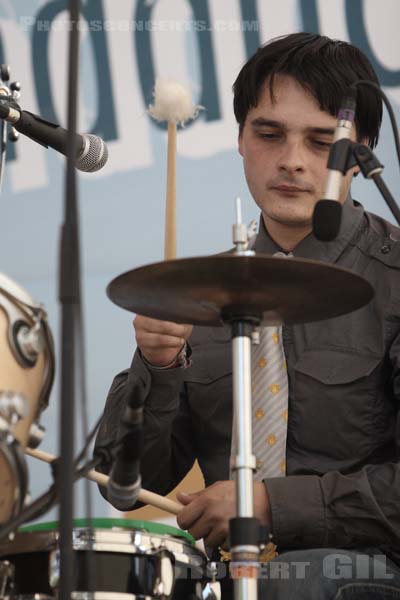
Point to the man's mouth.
(290, 189)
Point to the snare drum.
(26, 377)
(131, 560)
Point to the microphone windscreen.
(326, 220)
(93, 155)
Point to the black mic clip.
(366, 160)
(341, 155)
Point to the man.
(341, 492)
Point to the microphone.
(327, 214)
(91, 152)
(125, 482)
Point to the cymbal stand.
(244, 529)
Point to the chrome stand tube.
(244, 530)
(245, 460)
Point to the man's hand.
(206, 513)
(160, 341)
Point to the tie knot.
(283, 254)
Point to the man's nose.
(292, 158)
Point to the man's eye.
(322, 144)
(269, 136)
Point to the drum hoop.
(83, 596)
(114, 524)
(106, 596)
(137, 542)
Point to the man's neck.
(284, 236)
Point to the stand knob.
(15, 86)
(13, 136)
(5, 72)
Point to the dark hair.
(322, 66)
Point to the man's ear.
(240, 143)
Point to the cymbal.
(209, 290)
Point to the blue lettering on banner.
(359, 37)
(144, 56)
(105, 124)
(249, 14)
(309, 15)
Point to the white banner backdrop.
(124, 45)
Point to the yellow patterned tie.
(269, 404)
(269, 401)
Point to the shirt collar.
(310, 247)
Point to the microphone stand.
(125, 482)
(11, 93)
(371, 168)
(69, 298)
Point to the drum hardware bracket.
(240, 233)
(255, 336)
(7, 578)
(54, 568)
(23, 358)
(28, 344)
(36, 435)
(13, 407)
(164, 579)
(29, 341)
(212, 589)
(9, 92)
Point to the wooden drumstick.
(170, 200)
(144, 495)
(173, 104)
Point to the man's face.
(285, 146)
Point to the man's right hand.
(160, 341)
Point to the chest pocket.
(335, 405)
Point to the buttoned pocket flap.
(332, 366)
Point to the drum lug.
(7, 578)
(165, 576)
(36, 435)
(13, 407)
(29, 341)
(54, 568)
(212, 589)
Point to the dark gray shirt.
(342, 487)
